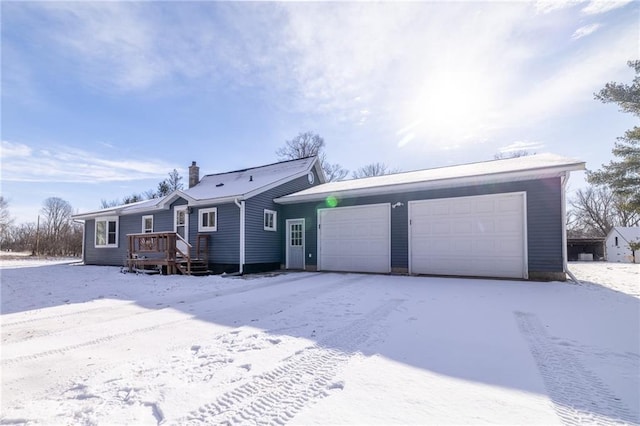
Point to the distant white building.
(617, 244)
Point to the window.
(616, 241)
(107, 232)
(295, 235)
(147, 224)
(269, 220)
(208, 220)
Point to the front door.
(295, 243)
(181, 227)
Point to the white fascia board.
(164, 202)
(216, 201)
(541, 173)
(322, 178)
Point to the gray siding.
(544, 219)
(267, 246)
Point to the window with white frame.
(269, 220)
(107, 232)
(208, 220)
(147, 224)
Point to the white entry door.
(181, 227)
(355, 239)
(484, 236)
(295, 244)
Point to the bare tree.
(304, 145)
(22, 237)
(57, 221)
(333, 172)
(512, 154)
(308, 144)
(373, 169)
(5, 222)
(595, 210)
(104, 204)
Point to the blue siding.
(544, 219)
(224, 243)
(267, 246)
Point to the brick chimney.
(194, 174)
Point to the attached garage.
(355, 239)
(501, 218)
(470, 236)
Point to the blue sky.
(103, 99)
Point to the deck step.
(198, 267)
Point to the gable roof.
(221, 187)
(628, 233)
(521, 168)
(247, 183)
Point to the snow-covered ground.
(91, 345)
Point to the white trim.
(106, 219)
(184, 208)
(304, 244)
(275, 220)
(144, 218)
(202, 228)
(525, 251)
(361, 206)
(242, 234)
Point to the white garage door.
(355, 239)
(474, 236)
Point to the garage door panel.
(482, 236)
(355, 239)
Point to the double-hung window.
(208, 220)
(270, 220)
(147, 224)
(107, 232)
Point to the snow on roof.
(243, 183)
(247, 182)
(464, 174)
(628, 233)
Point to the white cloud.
(574, 81)
(596, 7)
(547, 6)
(21, 163)
(585, 31)
(9, 149)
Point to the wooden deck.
(167, 252)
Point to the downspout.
(241, 206)
(83, 236)
(565, 178)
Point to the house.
(230, 219)
(617, 244)
(500, 218)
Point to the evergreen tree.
(623, 175)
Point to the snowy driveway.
(89, 345)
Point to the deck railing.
(163, 249)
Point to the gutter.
(241, 206)
(564, 179)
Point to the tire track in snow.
(262, 308)
(275, 397)
(578, 395)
